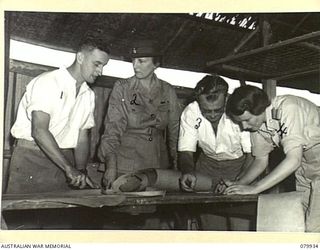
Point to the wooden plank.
(87, 198)
(242, 70)
(296, 73)
(76, 198)
(292, 75)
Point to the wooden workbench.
(94, 198)
(181, 204)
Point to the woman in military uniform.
(143, 115)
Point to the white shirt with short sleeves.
(229, 143)
(55, 94)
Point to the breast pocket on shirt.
(163, 114)
(135, 115)
(61, 110)
(164, 106)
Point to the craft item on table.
(158, 179)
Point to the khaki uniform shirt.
(136, 123)
(291, 122)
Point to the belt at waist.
(144, 131)
(32, 145)
(27, 144)
(312, 153)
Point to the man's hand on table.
(76, 177)
(79, 179)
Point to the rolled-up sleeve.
(115, 122)
(260, 147)
(42, 95)
(245, 141)
(174, 120)
(188, 135)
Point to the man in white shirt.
(225, 149)
(52, 125)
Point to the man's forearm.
(186, 162)
(81, 152)
(49, 146)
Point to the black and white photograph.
(171, 121)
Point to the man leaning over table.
(225, 149)
(52, 125)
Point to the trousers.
(217, 170)
(31, 171)
(308, 183)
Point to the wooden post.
(265, 29)
(6, 59)
(269, 86)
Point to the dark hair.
(157, 60)
(90, 44)
(211, 86)
(247, 98)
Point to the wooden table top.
(95, 199)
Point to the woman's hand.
(223, 185)
(240, 189)
(188, 182)
(109, 177)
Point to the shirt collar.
(67, 77)
(84, 87)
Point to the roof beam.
(242, 70)
(181, 28)
(310, 46)
(266, 48)
(300, 23)
(244, 41)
